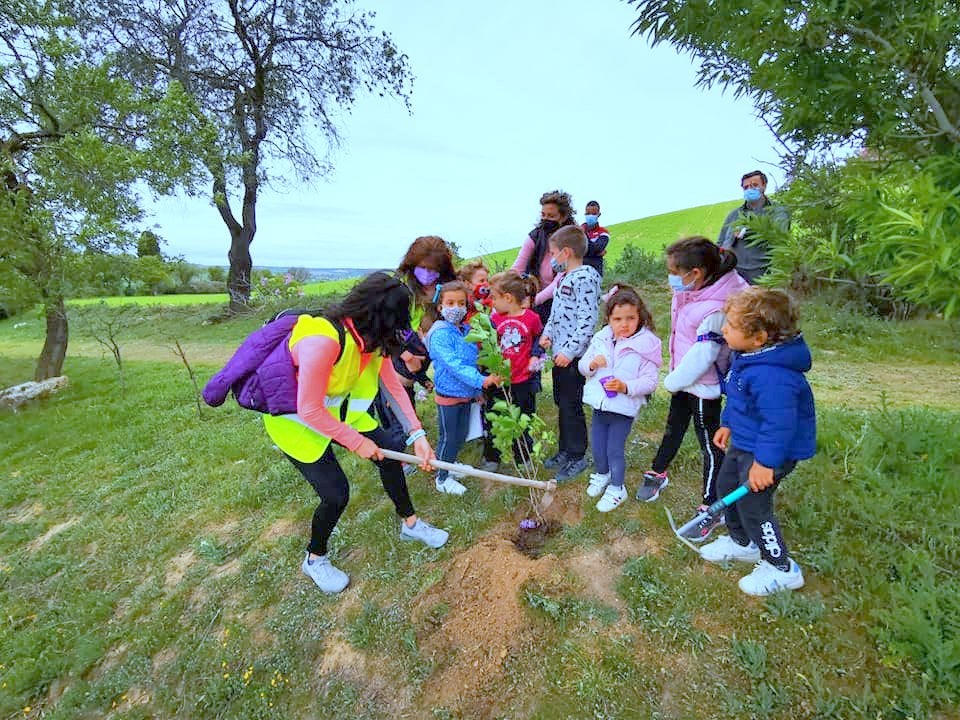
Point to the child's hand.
(369, 451)
(545, 342)
(760, 477)
(492, 380)
(721, 437)
(422, 449)
(561, 360)
(598, 362)
(616, 385)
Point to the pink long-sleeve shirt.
(546, 272)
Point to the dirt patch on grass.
(284, 527)
(177, 568)
(163, 658)
(42, 540)
(473, 620)
(24, 513)
(341, 660)
(231, 567)
(862, 384)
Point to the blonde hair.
(761, 309)
(468, 270)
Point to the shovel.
(709, 514)
(548, 486)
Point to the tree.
(149, 244)
(877, 74)
(74, 141)
(266, 73)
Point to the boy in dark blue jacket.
(767, 426)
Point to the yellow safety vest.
(349, 394)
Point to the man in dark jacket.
(753, 253)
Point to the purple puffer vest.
(261, 373)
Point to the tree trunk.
(241, 269)
(50, 363)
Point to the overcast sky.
(510, 99)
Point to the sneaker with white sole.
(425, 533)
(702, 530)
(598, 483)
(328, 578)
(612, 497)
(767, 579)
(450, 486)
(725, 548)
(653, 483)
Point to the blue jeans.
(609, 433)
(454, 421)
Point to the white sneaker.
(451, 486)
(724, 548)
(598, 482)
(767, 579)
(612, 497)
(424, 532)
(327, 577)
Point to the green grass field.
(150, 550)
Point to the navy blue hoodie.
(769, 407)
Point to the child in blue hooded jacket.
(456, 380)
(767, 426)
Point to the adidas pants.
(706, 421)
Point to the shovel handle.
(546, 485)
(715, 509)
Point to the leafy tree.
(74, 141)
(267, 74)
(149, 244)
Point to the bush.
(638, 267)
(216, 274)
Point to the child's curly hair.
(513, 283)
(623, 294)
(759, 309)
(469, 269)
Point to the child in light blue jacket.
(457, 381)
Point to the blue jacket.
(769, 406)
(455, 372)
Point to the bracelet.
(414, 436)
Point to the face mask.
(425, 276)
(557, 266)
(549, 225)
(591, 220)
(453, 314)
(676, 283)
(752, 194)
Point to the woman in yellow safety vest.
(335, 389)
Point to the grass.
(150, 558)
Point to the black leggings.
(706, 422)
(330, 483)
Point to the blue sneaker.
(557, 461)
(572, 469)
(425, 533)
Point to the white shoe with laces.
(598, 483)
(450, 486)
(328, 578)
(612, 497)
(425, 533)
(767, 579)
(725, 548)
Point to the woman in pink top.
(556, 210)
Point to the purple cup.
(603, 384)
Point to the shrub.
(637, 266)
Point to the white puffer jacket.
(635, 360)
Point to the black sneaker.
(653, 483)
(572, 469)
(701, 531)
(557, 461)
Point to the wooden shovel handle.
(546, 485)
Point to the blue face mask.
(752, 194)
(556, 266)
(591, 220)
(453, 314)
(676, 283)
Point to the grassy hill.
(150, 550)
(651, 233)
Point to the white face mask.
(453, 314)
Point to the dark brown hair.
(453, 286)
(622, 294)
(427, 251)
(696, 251)
(513, 283)
(570, 236)
(754, 173)
(562, 200)
(763, 309)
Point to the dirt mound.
(473, 620)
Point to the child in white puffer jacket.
(621, 366)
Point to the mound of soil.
(473, 620)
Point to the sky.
(510, 100)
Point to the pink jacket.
(635, 360)
(688, 310)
